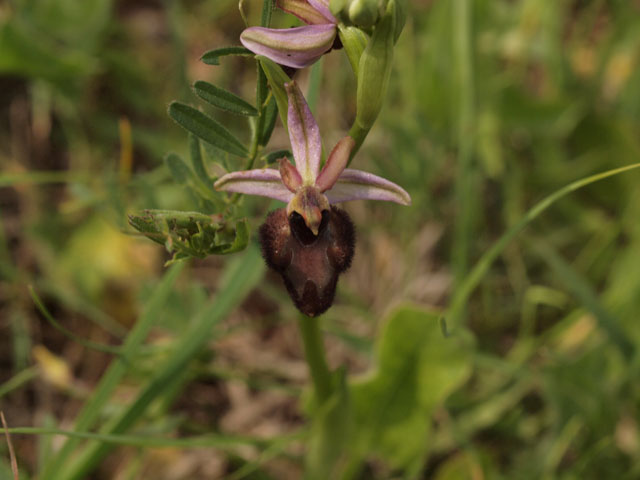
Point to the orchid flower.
(310, 242)
(296, 47)
(306, 188)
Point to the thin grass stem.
(472, 280)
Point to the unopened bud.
(363, 13)
(354, 41)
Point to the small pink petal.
(290, 176)
(294, 47)
(322, 6)
(304, 135)
(265, 182)
(356, 184)
(336, 163)
(305, 12)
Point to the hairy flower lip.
(305, 188)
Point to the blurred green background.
(549, 92)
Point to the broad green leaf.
(179, 170)
(277, 78)
(206, 128)
(218, 97)
(212, 56)
(417, 369)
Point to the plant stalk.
(464, 186)
(316, 358)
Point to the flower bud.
(363, 13)
(354, 41)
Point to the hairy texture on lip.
(309, 265)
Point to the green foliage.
(277, 79)
(417, 368)
(221, 98)
(546, 316)
(191, 234)
(273, 157)
(206, 128)
(212, 56)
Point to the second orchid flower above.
(296, 47)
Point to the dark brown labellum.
(309, 264)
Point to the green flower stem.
(262, 92)
(358, 133)
(259, 124)
(316, 358)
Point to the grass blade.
(581, 289)
(236, 284)
(93, 407)
(474, 277)
(222, 441)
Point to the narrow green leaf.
(262, 88)
(267, 9)
(179, 170)
(218, 97)
(271, 114)
(206, 128)
(197, 162)
(277, 78)
(212, 56)
(273, 157)
(220, 441)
